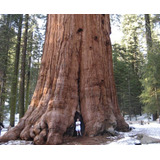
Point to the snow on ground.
(130, 138)
(6, 123)
(149, 128)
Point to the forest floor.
(150, 130)
(85, 140)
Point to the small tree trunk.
(75, 78)
(2, 97)
(4, 71)
(23, 63)
(28, 74)
(149, 51)
(148, 31)
(157, 105)
(13, 98)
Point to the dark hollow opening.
(79, 30)
(78, 115)
(102, 21)
(107, 43)
(71, 129)
(96, 38)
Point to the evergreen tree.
(23, 63)
(6, 36)
(13, 96)
(28, 70)
(151, 85)
(10, 42)
(34, 50)
(128, 65)
(120, 74)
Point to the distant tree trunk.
(4, 70)
(149, 48)
(22, 76)
(76, 78)
(1, 107)
(148, 31)
(129, 94)
(15, 74)
(157, 104)
(28, 74)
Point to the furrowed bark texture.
(76, 75)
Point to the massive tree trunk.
(76, 76)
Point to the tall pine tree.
(23, 63)
(151, 92)
(128, 62)
(13, 96)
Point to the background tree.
(150, 80)
(6, 41)
(23, 63)
(137, 54)
(28, 71)
(34, 49)
(13, 96)
(128, 62)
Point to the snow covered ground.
(6, 123)
(151, 129)
(130, 138)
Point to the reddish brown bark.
(76, 75)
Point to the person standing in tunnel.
(78, 127)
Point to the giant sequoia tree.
(76, 76)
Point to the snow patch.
(6, 123)
(151, 128)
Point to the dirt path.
(84, 140)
